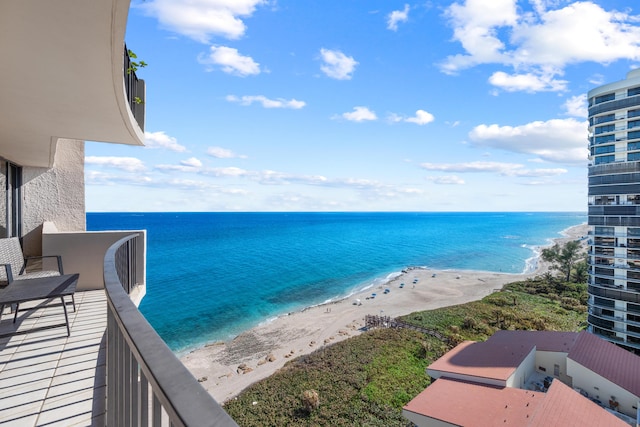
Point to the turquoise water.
(212, 275)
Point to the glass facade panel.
(605, 149)
(633, 113)
(11, 200)
(633, 91)
(606, 128)
(605, 98)
(605, 159)
(606, 138)
(633, 157)
(633, 135)
(606, 118)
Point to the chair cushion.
(11, 253)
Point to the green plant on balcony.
(134, 64)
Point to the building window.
(633, 135)
(605, 159)
(606, 128)
(633, 91)
(632, 146)
(607, 138)
(605, 149)
(633, 157)
(633, 113)
(606, 118)
(605, 98)
(633, 124)
(11, 202)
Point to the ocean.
(211, 276)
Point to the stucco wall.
(55, 195)
(523, 372)
(601, 388)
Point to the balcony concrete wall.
(54, 194)
(83, 253)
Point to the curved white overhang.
(62, 76)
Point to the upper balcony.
(63, 75)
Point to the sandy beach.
(225, 369)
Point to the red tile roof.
(482, 359)
(470, 404)
(555, 341)
(562, 406)
(607, 360)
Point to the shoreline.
(227, 368)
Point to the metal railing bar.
(177, 392)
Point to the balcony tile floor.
(47, 378)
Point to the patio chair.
(15, 264)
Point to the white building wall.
(55, 195)
(548, 360)
(602, 389)
(524, 371)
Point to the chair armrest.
(59, 257)
(7, 269)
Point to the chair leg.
(1, 310)
(66, 316)
(15, 315)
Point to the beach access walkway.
(375, 321)
(49, 378)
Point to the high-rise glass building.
(614, 211)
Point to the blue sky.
(354, 105)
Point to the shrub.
(310, 400)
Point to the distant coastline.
(226, 368)
(236, 271)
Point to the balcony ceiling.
(61, 76)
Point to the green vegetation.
(356, 382)
(366, 380)
(564, 258)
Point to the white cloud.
(446, 180)
(337, 65)
(202, 19)
(266, 102)
(162, 140)
(230, 61)
(223, 153)
(230, 171)
(576, 106)
(504, 169)
(561, 141)
(129, 164)
(360, 114)
(101, 178)
(192, 162)
(421, 118)
(528, 82)
(538, 44)
(397, 16)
